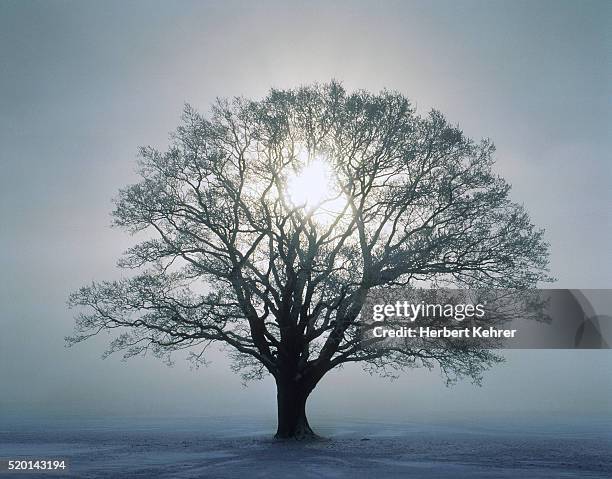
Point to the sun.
(315, 188)
(312, 185)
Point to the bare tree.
(235, 259)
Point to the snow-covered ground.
(237, 447)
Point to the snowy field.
(239, 448)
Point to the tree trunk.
(291, 400)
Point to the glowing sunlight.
(312, 185)
(314, 188)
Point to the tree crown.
(234, 257)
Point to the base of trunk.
(300, 432)
(292, 422)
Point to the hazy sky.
(83, 84)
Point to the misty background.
(83, 84)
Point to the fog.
(83, 84)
